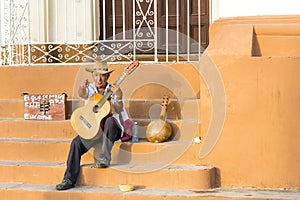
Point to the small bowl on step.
(126, 187)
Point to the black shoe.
(65, 184)
(102, 163)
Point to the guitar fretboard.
(101, 102)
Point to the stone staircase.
(37, 155)
(33, 161)
(36, 151)
(33, 154)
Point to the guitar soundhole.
(95, 108)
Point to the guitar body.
(88, 123)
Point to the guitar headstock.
(165, 102)
(130, 68)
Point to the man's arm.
(118, 95)
(82, 89)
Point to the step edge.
(229, 192)
(117, 143)
(112, 166)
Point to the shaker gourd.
(159, 130)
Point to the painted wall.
(236, 8)
(258, 145)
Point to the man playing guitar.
(114, 124)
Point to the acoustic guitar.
(88, 120)
(159, 130)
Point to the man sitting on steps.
(112, 129)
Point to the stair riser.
(174, 179)
(137, 109)
(37, 80)
(36, 129)
(11, 109)
(58, 79)
(182, 130)
(122, 153)
(146, 153)
(15, 108)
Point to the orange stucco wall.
(258, 60)
(259, 143)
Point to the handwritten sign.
(44, 106)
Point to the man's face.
(100, 79)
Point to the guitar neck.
(164, 106)
(109, 92)
(120, 79)
(162, 115)
(104, 98)
(127, 71)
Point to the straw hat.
(100, 67)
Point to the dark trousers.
(80, 146)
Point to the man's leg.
(78, 147)
(111, 133)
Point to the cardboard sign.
(44, 106)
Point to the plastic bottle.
(135, 133)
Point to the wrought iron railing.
(72, 31)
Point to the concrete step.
(56, 150)
(19, 128)
(14, 108)
(183, 130)
(57, 79)
(174, 177)
(37, 80)
(182, 109)
(173, 152)
(16, 191)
